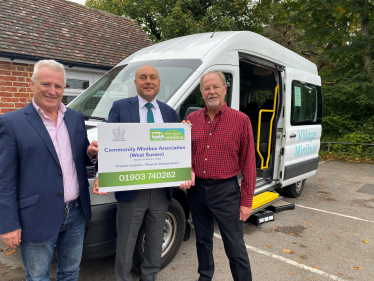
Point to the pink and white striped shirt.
(61, 141)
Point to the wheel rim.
(170, 230)
(299, 186)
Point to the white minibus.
(276, 88)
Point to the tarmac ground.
(329, 236)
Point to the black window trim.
(318, 88)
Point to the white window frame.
(91, 77)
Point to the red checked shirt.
(223, 147)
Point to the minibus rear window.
(118, 83)
(306, 104)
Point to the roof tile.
(68, 31)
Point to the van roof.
(202, 46)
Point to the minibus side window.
(195, 99)
(306, 104)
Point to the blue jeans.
(37, 256)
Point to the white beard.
(213, 103)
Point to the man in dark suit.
(147, 206)
(44, 198)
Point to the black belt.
(213, 182)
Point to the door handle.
(292, 136)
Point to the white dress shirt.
(143, 111)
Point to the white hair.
(219, 73)
(49, 63)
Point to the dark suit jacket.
(127, 111)
(31, 182)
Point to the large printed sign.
(138, 156)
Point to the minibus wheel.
(294, 190)
(175, 225)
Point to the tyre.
(175, 225)
(294, 190)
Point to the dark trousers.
(222, 202)
(149, 208)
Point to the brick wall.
(15, 89)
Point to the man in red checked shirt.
(222, 146)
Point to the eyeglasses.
(215, 87)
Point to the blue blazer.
(127, 111)
(31, 180)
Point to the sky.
(78, 1)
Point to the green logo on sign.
(166, 134)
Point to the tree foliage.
(277, 25)
(166, 19)
(341, 30)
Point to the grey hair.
(49, 63)
(219, 73)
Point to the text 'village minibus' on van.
(276, 88)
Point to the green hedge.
(351, 150)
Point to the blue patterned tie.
(150, 113)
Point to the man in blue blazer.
(147, 206)
(44, 189)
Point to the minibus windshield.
(118, 83)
